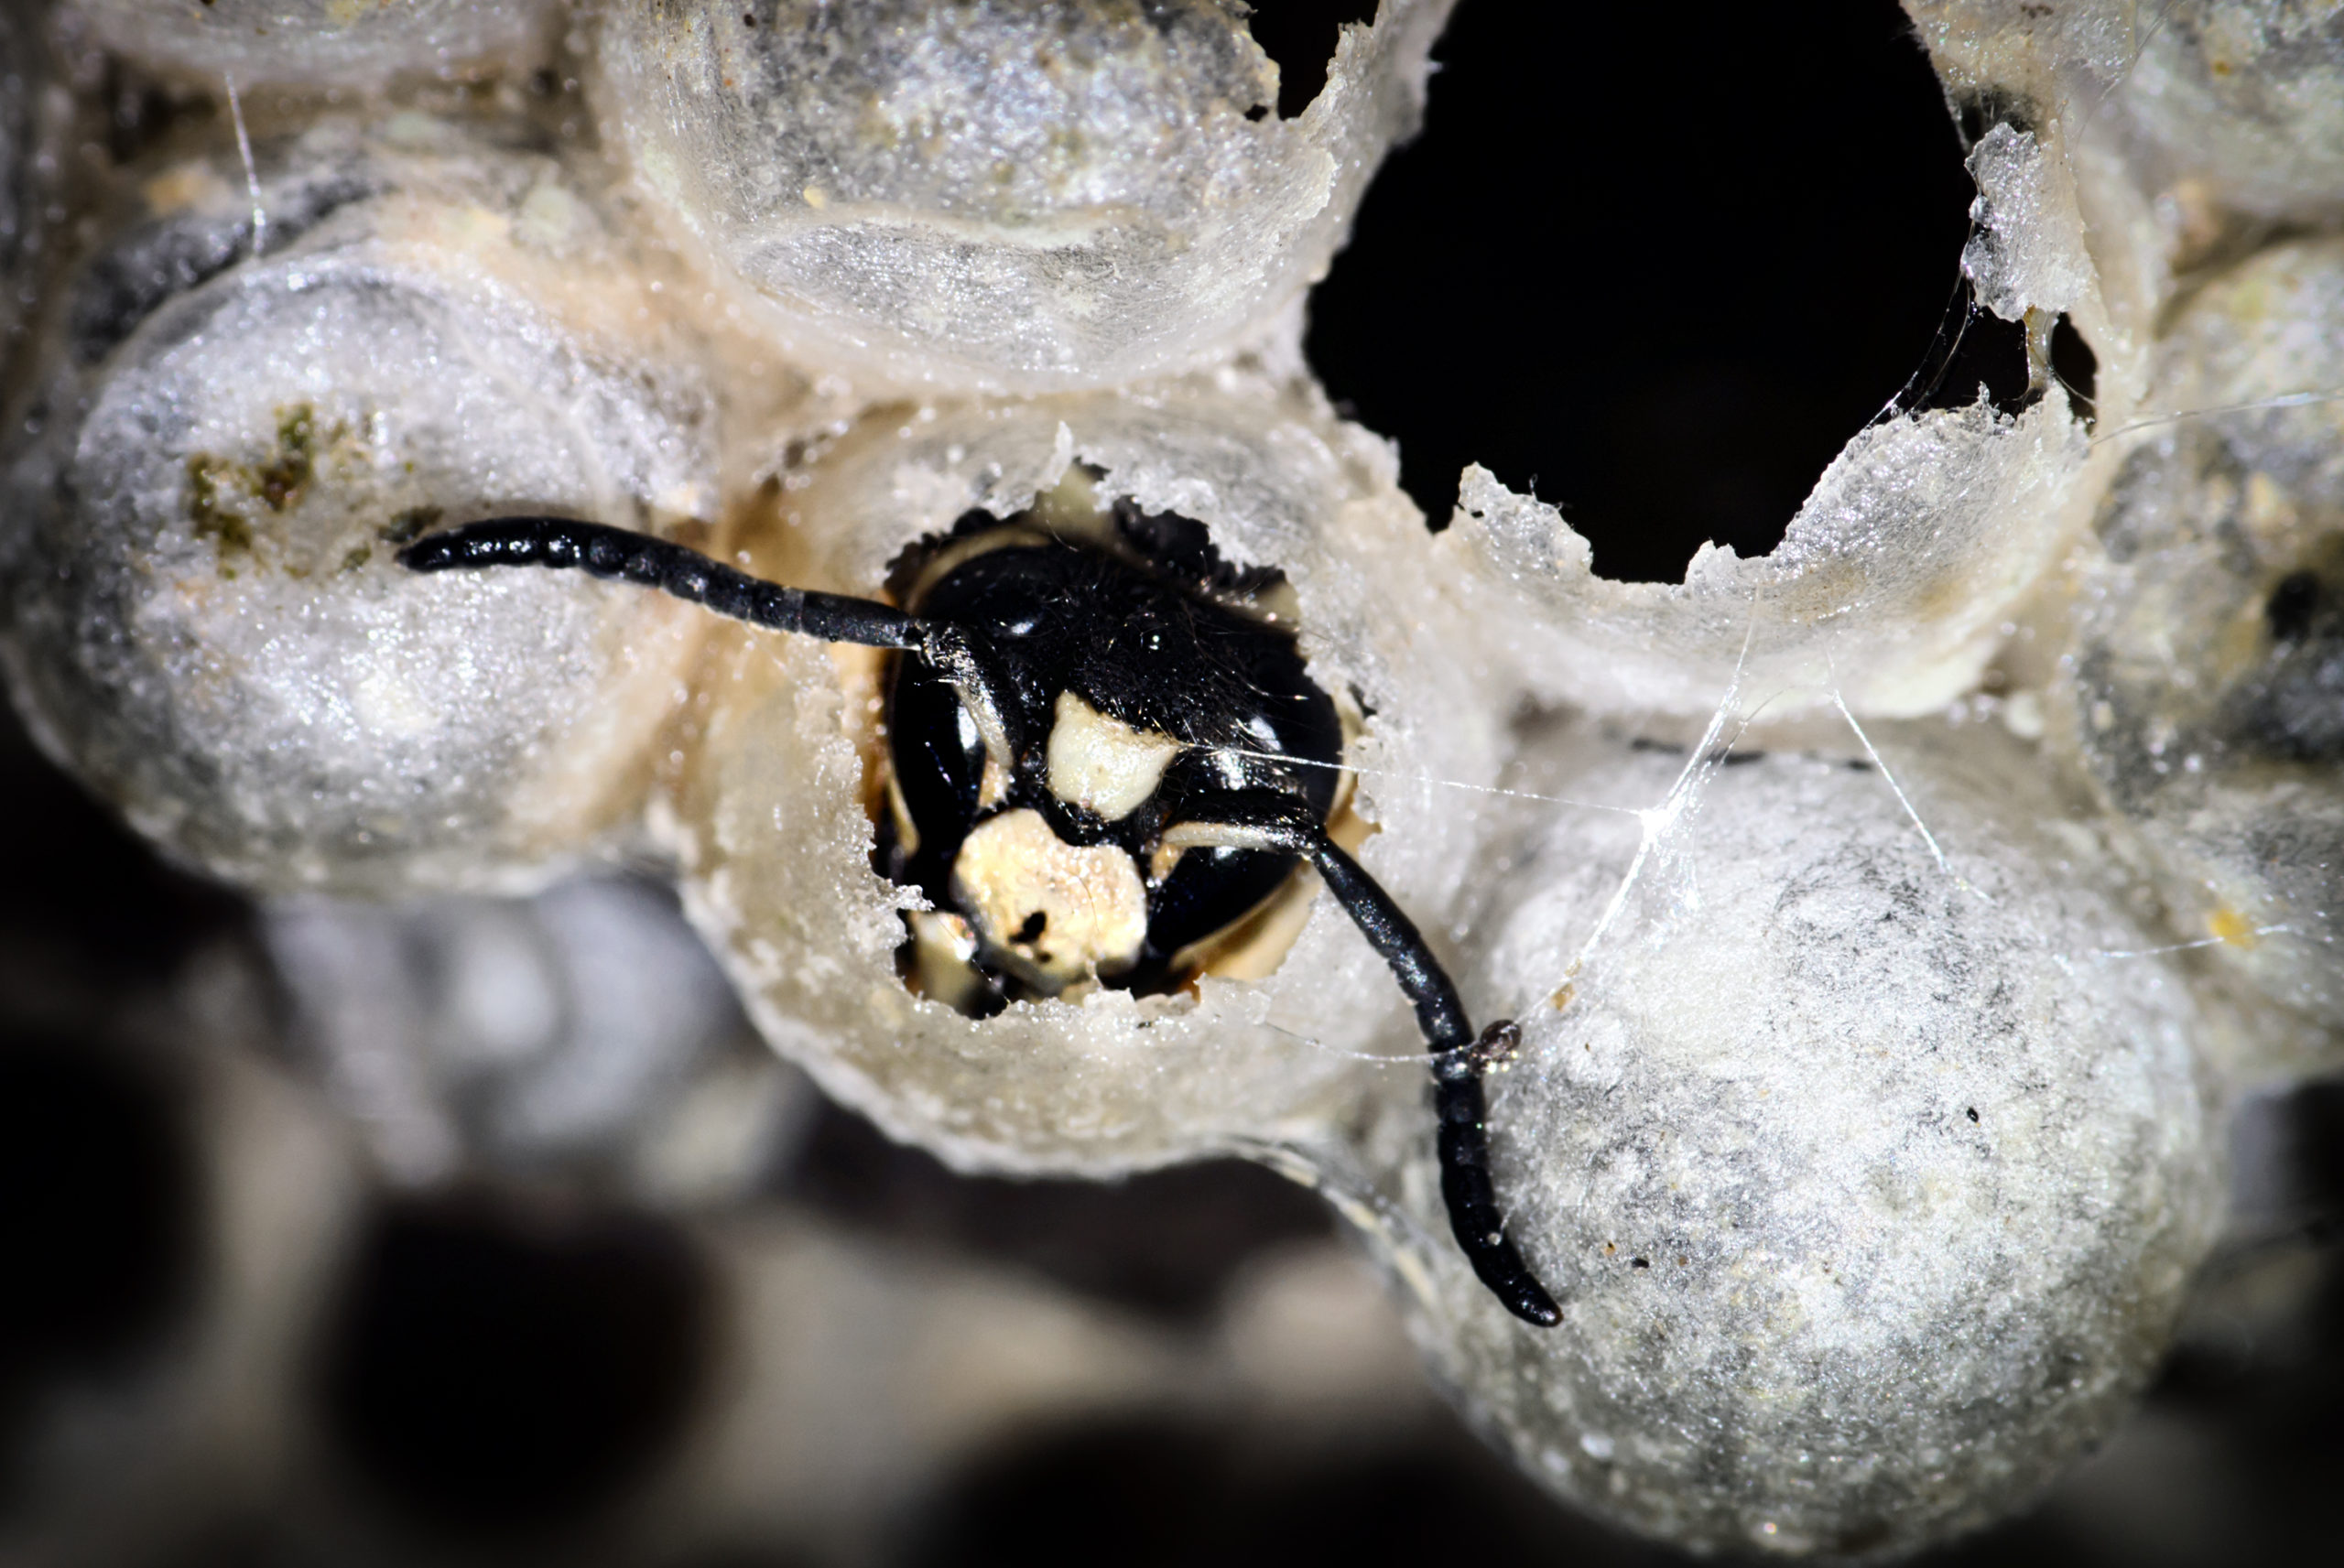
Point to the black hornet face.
(1106, 758)
(1044, 815)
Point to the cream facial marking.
(1102, 765)
(1058, 912)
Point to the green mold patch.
(282, 480)
(228, 501)
(215, 516)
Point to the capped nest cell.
(1872, 1166)
(1013, 198)
(233, 448)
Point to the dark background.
(1655, 263)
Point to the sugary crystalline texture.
(1910, 563)
(206, 620)
(773, 829)
(1033, 197)
(1890, 592)
(2205, 688)
(1870, 1170)
(1931, 535)
(2243, 102)
(2026, 251)
(2169, 136)
(314, 43)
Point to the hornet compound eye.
(1102, 763)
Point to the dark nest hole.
(497, 1368)
(1656, 263)
(101, 1219)
(1299, 34)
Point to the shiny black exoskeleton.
(1158, 653)
(1096, 757)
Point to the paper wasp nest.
(1892, 920)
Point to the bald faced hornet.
(1101, 760)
